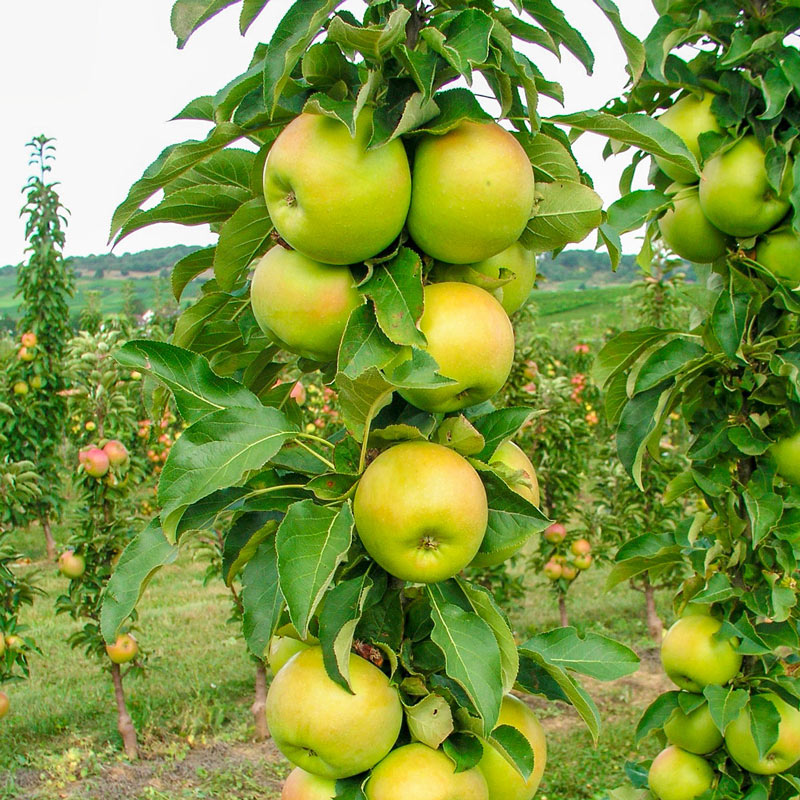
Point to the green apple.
(70, 565)
(332, 198)
(471, 193)
(5, 704)
(302, 785)
(421, 511)
(302, 304)
(123, 650)
(693, 657)
(688, 233)
(504, 782)
(417, 772)
(512, 295)
(783, 754)
(695, 731)
(689, 118)
(471, 338)
(735, 194)
(678, 775)
(779, 252)
(786, 453)
(281, 649)
(325, 729)
(20, 387)
(583, 562)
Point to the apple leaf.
(372, 41)
(215, 452)
(242, 239)
(430, 721)
(201, 108)
(515, 748)
(634, 209)
(350, 788)
(728, 320)
(189, 267)
(229, 167)
(420, 371)
(552, 19)
(404, 111)
(623, 350)
(551, 161)
(188, 15)
(146, 553)
(459, 434)
(362, 398)
(471, 654)
(634, 50)
(564, 212)
(765, 720)
(497, 426)
(667, 362)
(463, 749)
(534, 679)
(202, 515)
(364, 344)
(312, 541)
(725, 704)
(261, 598)
(455, 105)
(250, 10)
(198, 391)
(463, 40)
(243, 538)
(656, 714)
(332, 485)
(632, 567)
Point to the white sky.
(105, 77)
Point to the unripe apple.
(583, 561)
(25, 354)
(95, 462)
(553, 570)
(302, 785)
(136, 375)
(471, 339)
(421, 511)
(302, 304)
(580, 547)
(471, 194)
(779, 252)
(281, 649)
(325, 729)
(694, 732)
(123, 650)
(678, 775)
(15, 643)
(37, 382)
(5, 704)
(418, 772)
(20, 387)
(71, 565)
(693, 657)
(689, 118)
(504, 782)
(786, 453)
(91, 425)
(688, 233)
(555, 533)
(735, 194)
(29, 339)
(2, 645)
(781, 756)
(117, 452)
(329, 196)
(568, 572)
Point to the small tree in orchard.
(45, 285)
(105, 521)
(731, 109)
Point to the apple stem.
(259, 707)
(124, 721)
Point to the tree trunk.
(259, 707)
(655, 626)
(48, 537)
(562, 610)
(124, 721)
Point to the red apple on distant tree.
(124, 649)
(116, 451)
(5, 704)
(71, 565)
(25, 354)
(553, 570)
(580, 547)
(555, 533)
(95, 462)
(569, 572)
(583, 561)
(29, 339)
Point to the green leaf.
(243, 539)
(593, 655)
(147, 552)
(312, 541)
(497, 426)
(551, 161)
(632, 567)
(372, 41)
(189, 267)
(515, 748)
(564, 212)
(459, 434)
(639, 419)
(362, 398)
(396, 290)
(623, 350)
(462, 41)
(295, 32)
(250, 10)
(464, 750)
(188, 15)
(656, 714)
(455, 105)
(430, 721)
(232, 166)
(201, 108)
(728, 320)
(215, 452)
(364, 345)
(242, 239)
(261, 598)
(471, 654)
(667, 362)
(405, 110)
(725, 704)
(717, 590)
(634, 209)
(197, 389)
(764, 510)
(634, 50)
(555, 23)
(764, 723)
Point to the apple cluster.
(97, 460)
(27, 354)
(734, 200)
(12, 643)
(697, 655)
(565, 561)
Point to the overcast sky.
(104, 78)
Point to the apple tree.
(721, 80)
(341, 171)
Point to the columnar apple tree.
(367, 170)
(725, 193)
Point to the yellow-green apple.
(583, 561)
(15, 643)
(553, 570)
(281, 649)
(26, 354)
(417, 772)
(517, 259)
(694, 657)
(20, 387)
(71, 565)
(471, 193)
(325, 729)
(688, 233)
(303, 304)
(779, 252)
(735, 194)
(786, 453)
(568, 572)
(37, 382)
(580, 547)
(124, 649)
(504, 782)
(2, 645)
(329, 196)
(471, 338)
(117, 452)
(421, 511)
(302, 785)
(91, 425)
(783, 754)
(555, 533)
(5, 704)
(689, 118)
(29, 339)
(95, 462)
(678, 775)
(695, 731)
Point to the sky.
(104, 78)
